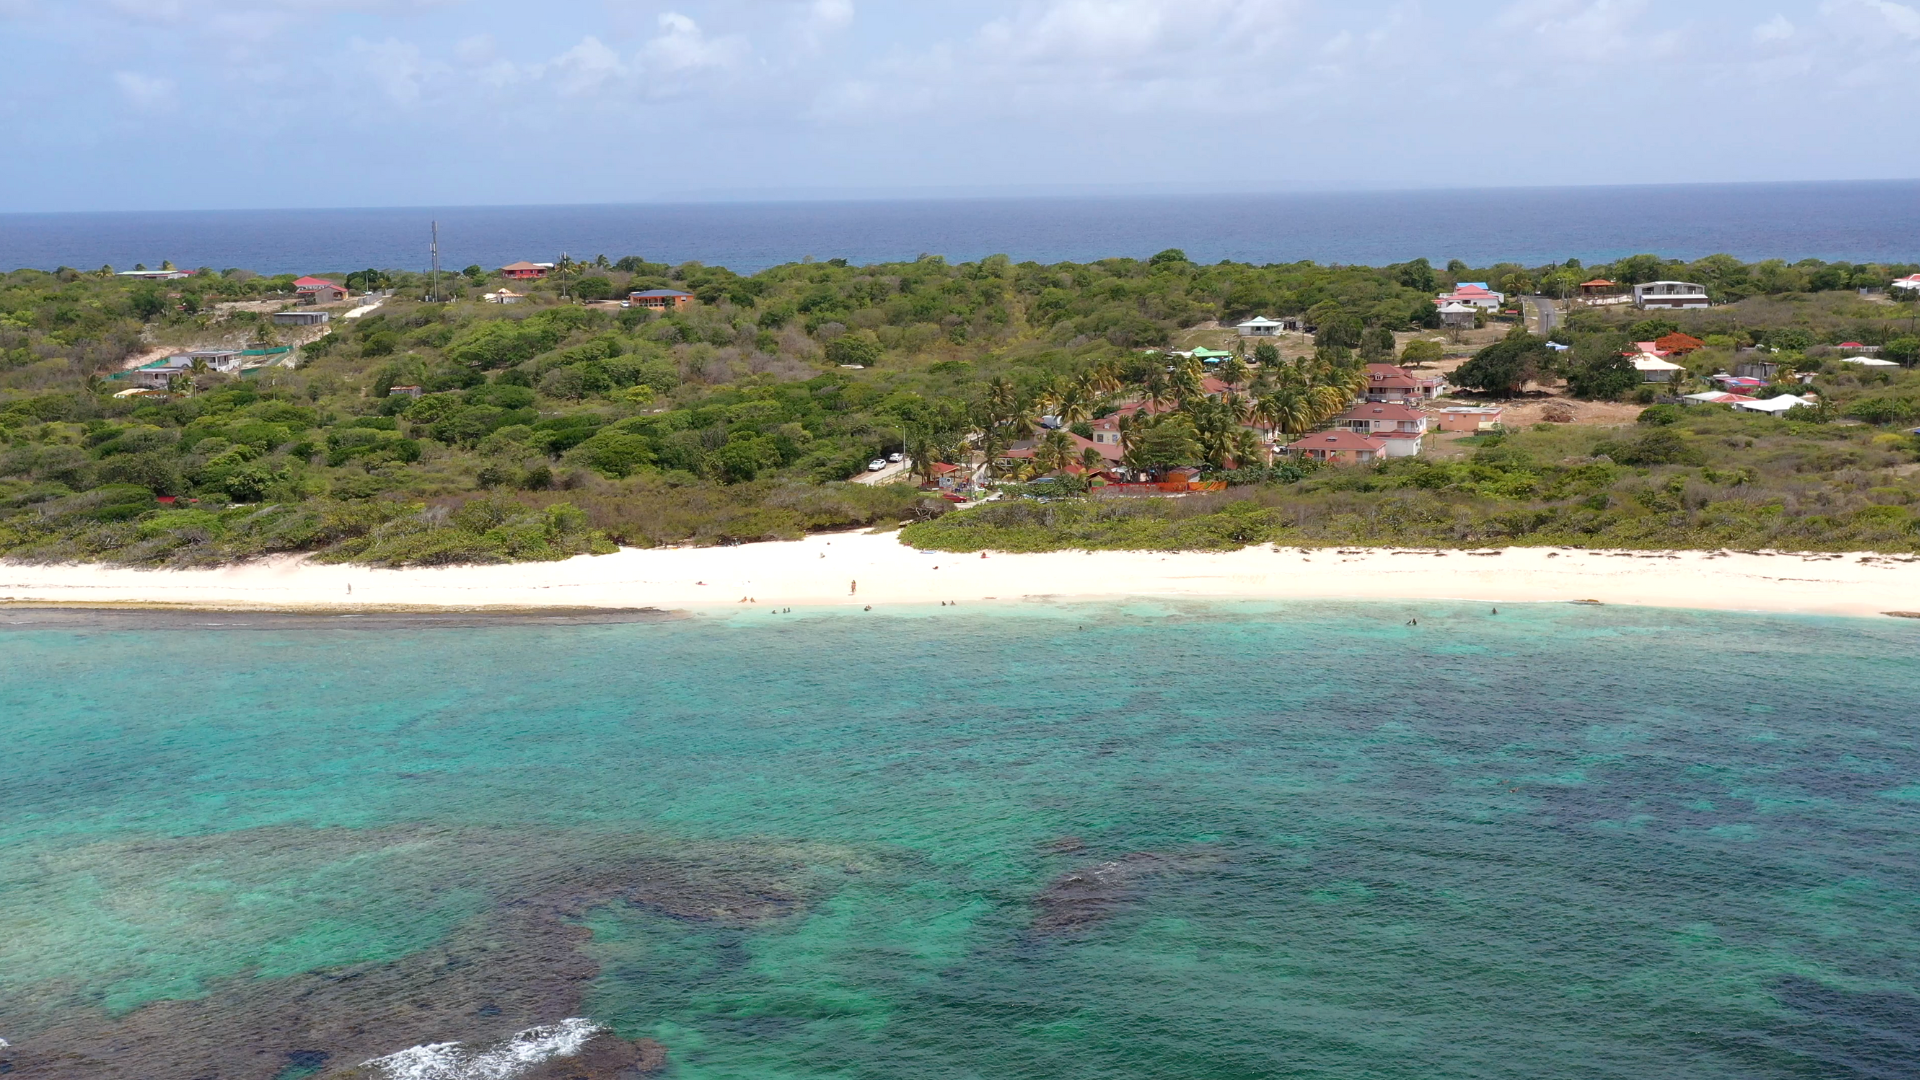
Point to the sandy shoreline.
(821, 571)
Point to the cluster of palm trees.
(1177, 422)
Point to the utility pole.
(435, 287)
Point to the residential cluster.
(1391, 418)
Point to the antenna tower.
(436, 262)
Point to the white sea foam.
(503, 1061)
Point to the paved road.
(888, 475)
(1547, 313)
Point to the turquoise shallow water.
(1074, 842)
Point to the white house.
(1670, 294)
(1654, 369)
(217, 359)
(504, 296)
(1910, 283)
(1261, 326)
(1398, 428)
(1457, 315)
(1868, 361)
(1473, 294)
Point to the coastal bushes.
(733, 419)
(123, 524)
(1708, 479)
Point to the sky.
(209, 104)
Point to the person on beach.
(853, 589)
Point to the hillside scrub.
(1708, 479)
(549, 428)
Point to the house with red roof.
(1106, 444)
(1910, 283)
(1106, 431)
(1399, 428)
(1391, 382)
(1472, 294)
(526, 271)
(1341, 447)
(660, 299)
(313, 290)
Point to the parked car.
(876, 465)
(895, 458)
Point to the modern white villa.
(1670, 294)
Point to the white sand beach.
(864, 569)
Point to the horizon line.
(749, 197)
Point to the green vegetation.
(551, 428)
(1700, 478)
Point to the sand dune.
(862, 569)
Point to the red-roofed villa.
(1399, 428)
(1390, 382)
(1341, 448)
(315, 290)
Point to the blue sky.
(164, 104)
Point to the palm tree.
(1290, 410)
(1091, 460)
(1002, 398)
(1247, 448)
(1187, 383)
(1054, 452)
(1068, 400)
(1160, 392)
(1235, 373)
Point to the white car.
(876, 465)
(895, 458)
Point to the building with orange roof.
(1400, 428)
(1341, 447)
(1391, 382)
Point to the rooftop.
(1337, 440)
(1385, 410)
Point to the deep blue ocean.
(1075, 842)
(1859, 222)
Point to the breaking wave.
(502, 1061)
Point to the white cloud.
(683, 46)
(830, 14)
(146, 93)
(586, 67)
(1900, 18)
(1594, 31)
(395, 66)
(1774, 29)
(478, 50)
(1122, 32)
